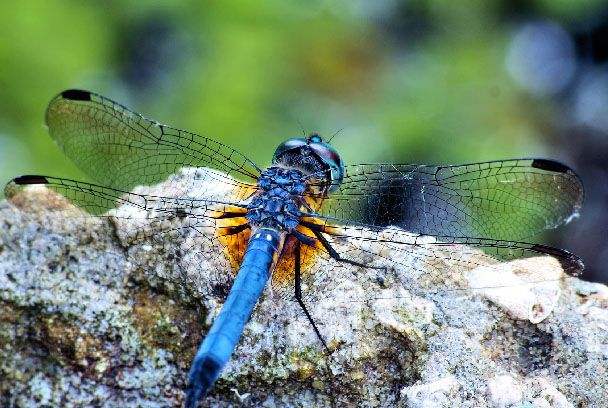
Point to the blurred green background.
(407, 81)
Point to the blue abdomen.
(259, 261)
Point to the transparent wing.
(504, 200)
(433, 263)
(170, 234)
(122, 149)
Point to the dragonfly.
(293, 222)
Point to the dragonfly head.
(311, 155)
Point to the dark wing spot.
(571, 263)
(30, 180)
(550, 165)
(76, 95)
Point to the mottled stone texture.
(91, 318)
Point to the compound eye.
(332, 159)
(288, 145)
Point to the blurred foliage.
(407, 81)
(425, 81)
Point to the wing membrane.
(433, 260)
(97, 200)
(181, 233)
(122, 149)
(506, 200)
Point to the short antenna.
(302, 127)
(334, 135)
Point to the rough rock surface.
(84, 322)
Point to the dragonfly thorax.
(278, 200)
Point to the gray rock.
(109, 312)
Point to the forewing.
(503, 200)
(122, 149)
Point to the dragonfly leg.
(298, 294)
(334, 254)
